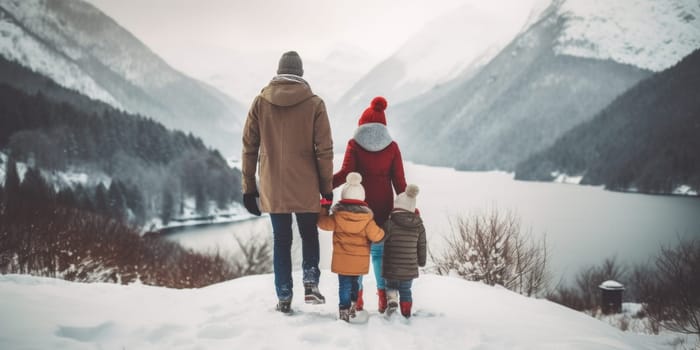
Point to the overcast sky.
(312, 27)
(208, 38)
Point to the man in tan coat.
(287, 137)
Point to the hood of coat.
(372, 137)
(405, 218)
(287, 90)
(352, 218)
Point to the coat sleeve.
(349, 165)
(374, 233)
(397, 175)
(251, 146)
(422, 246)
(323, 145)
(326, 222)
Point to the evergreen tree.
(12, 194)
(166, 212)
(136, 203)
(66, 198)
(116, 203)
(2, 197)
(83, 198)
(100, 200)
(201, 202)
(36, 195)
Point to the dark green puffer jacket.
(404, 246)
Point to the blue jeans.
(404, 288)
(376, 253)
(282, 251)
(347, 290)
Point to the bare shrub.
(674, 298)
(584, 295)
(567, 296)
(255, 259)
(81, 246)
(491, 248)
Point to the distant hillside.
(647, 140)
(107, 146)
(76, 45)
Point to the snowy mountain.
(646, 140)
(80, 48)
(447, 47)
(649, 34)
(449, 313)
(567, 66)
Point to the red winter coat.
(373, 154)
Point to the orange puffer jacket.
(353, 229)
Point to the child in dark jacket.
(353, 229)
(404, 251)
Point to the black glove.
(328, 199)
(250, 204)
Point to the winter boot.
(353, 309)
(406, 308)
(359, 305)
(284, 306)
(312, 295)
(392, 301)
(344, 314)
(381, 293)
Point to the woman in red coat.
(372, 153)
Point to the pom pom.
(412, 191)
(379, 104)
(353, 179)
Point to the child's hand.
(327, 200)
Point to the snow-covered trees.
(491, 248)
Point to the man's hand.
(250, 204)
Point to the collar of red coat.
(353, 202)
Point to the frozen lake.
(583, 224)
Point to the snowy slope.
(19, 46)
(649, 34)
(79, 47)
(41, 313)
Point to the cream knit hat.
(353, 188)
(407, 200)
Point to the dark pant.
(347, 290)
(282, 251)
(404, 288)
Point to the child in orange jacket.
(353, 229)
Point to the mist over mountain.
(430, 58)
(646, 140)
(80, 48)
(549, 79)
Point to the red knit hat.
(375, 112)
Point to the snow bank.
(450, 313)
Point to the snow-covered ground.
(41, 313)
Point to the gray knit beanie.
(290, 63)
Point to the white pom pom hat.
(407, 200)
(353, 188)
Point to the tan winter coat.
(287, 137)
(353, 229)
